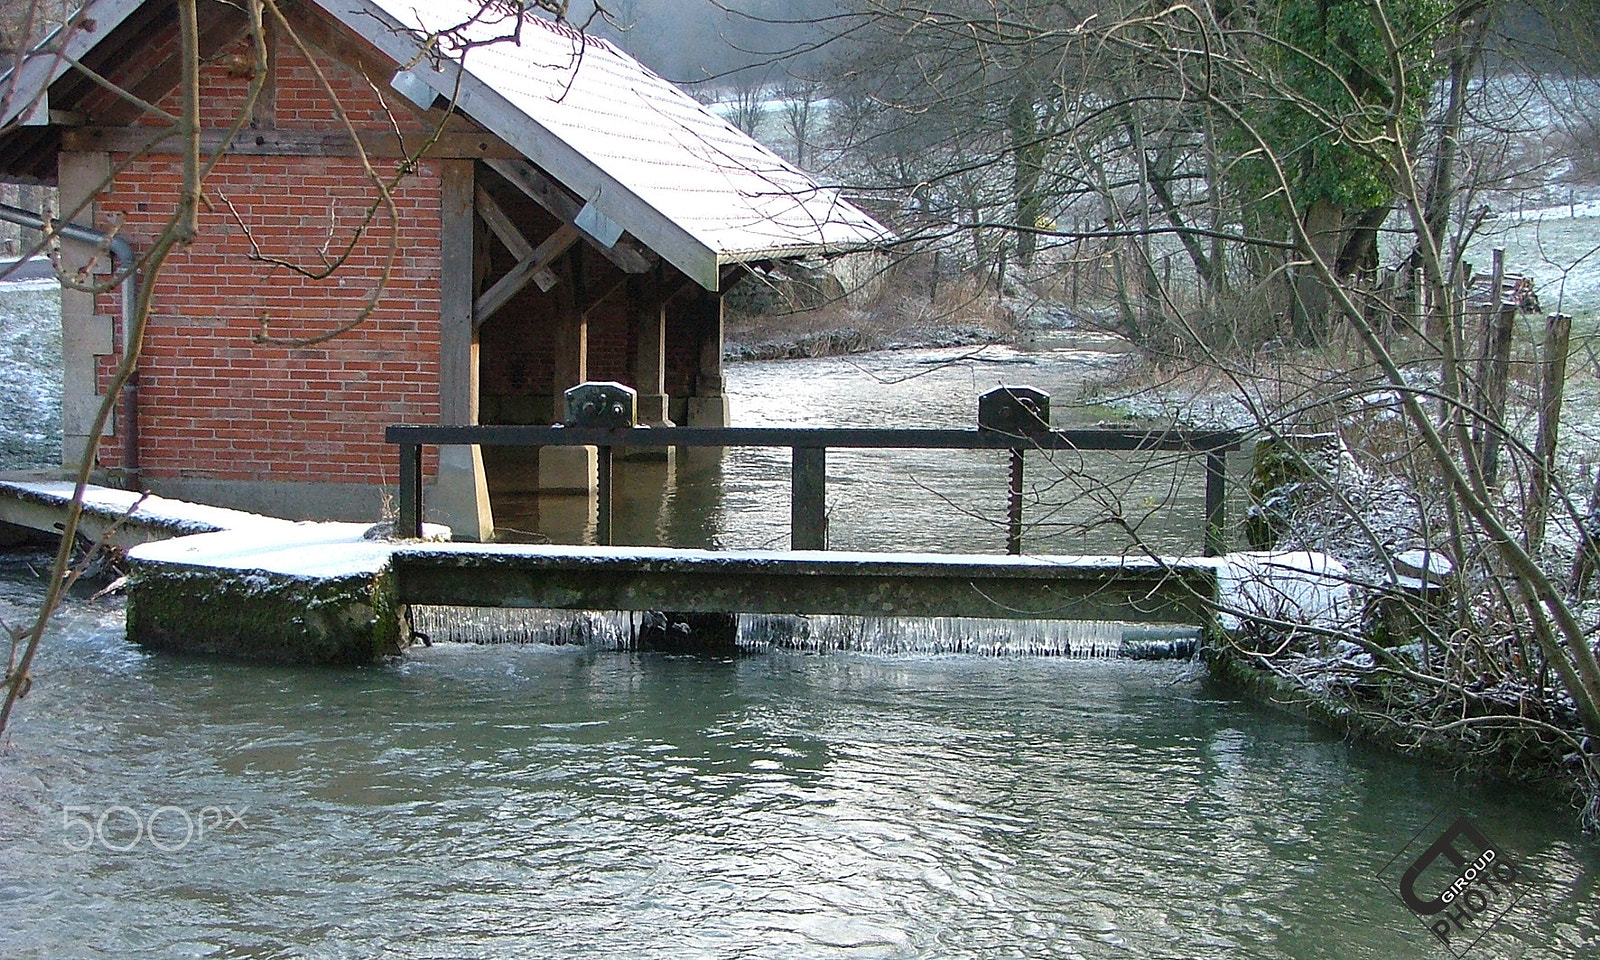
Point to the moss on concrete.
(264, 617)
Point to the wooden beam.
(500, 222)
(625, 254)
(535, 268)
(36, 73)
(458, 368)
(379, 144)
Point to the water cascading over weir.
(603, 630)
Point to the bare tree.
(1276, 151)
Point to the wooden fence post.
(1552, 385)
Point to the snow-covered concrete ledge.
(1136, 589)
(122, 518)
(307, 593)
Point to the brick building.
(511, 207)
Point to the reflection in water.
(894, 500)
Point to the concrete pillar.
(85, 336)
(646, 496)
(460, 498)
(707, 407)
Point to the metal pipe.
(122, 253)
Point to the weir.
(322, 593)
(1146, 590)
(270, 590)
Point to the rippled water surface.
(558, 801)
(540, 801)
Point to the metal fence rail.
(809, 447)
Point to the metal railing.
(809, 448)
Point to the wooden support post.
(648, 315)
(602, 526)
(1494, 370)
(408, 523)
(1216, 503)
(1498, 374)
(1552, 387)
(1014, 512)
(461, 488)
(808, 511)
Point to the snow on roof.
(642, 153)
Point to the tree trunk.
(1324, 225)
(1028, 153)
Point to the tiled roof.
(682, 180)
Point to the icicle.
(876, 635)
(485, 625)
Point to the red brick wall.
(608, 340)
(216, 405)
(683, 347)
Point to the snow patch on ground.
(1209, 411)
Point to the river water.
(564, 801)
(903, 500)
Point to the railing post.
(808, 507)
(602, 528)
(1216, 503)
(1014, 511)
(408, 522)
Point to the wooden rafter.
(539, 188)
(35, 74)
(501, 223)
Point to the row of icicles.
(876, 635)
